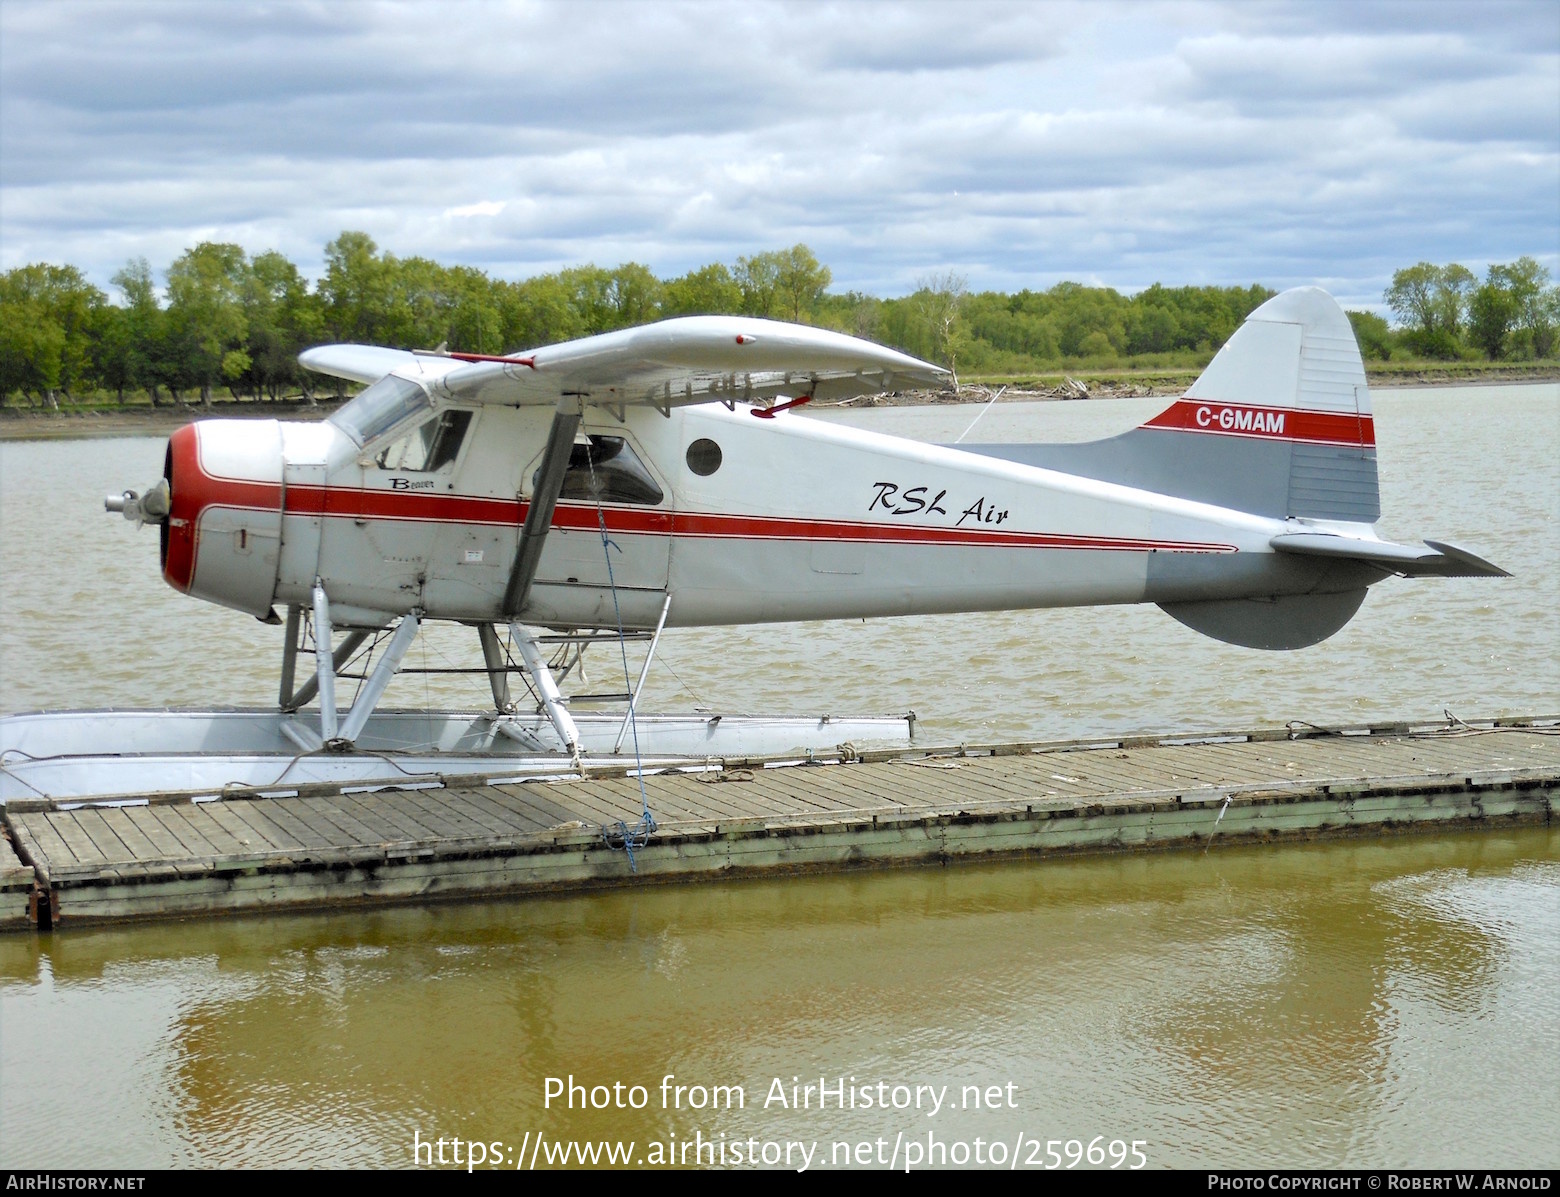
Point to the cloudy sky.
(1017, 144)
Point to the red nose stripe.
(194, 490)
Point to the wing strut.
(538, 519)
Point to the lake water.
(1386, 1003)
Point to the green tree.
(476, 322)
(1372, 334)
(51, 318)
(1492, 313)
(939, 303)
(139, 350)
(356, 289)
(1432, 303)
(539, 311)
(800, 281)
(1537, 305)
(759, 279)
(589, 288)
(708, 291)
(207, 289)
(283, 319)
(633, 295)
(31, 342)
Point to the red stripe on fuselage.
(1268, 423)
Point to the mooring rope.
(620, 834)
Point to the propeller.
(150, 508)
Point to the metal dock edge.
(69, 864)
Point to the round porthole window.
(704, 457)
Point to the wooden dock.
(62, 864)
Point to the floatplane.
(612, 487)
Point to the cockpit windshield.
(380, 408)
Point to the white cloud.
(1015, 143)
(483, 208)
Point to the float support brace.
(633, 699)
(552, 700)
(324, 663)
(497, 667)
(400, 641)
(290, 653)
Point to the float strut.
(374, 688)
(339, 658)
(497, 667)
(290, 653)
(633, 699)
(324, 663)
(552, 700)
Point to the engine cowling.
(221, 540)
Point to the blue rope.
(621, 835)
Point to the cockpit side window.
(607, 470)
(432, 446)
(380, 408)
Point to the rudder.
(1279, 424)
(1286, 399)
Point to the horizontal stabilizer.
(1438, 559)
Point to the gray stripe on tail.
(1264, 477)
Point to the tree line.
(228, 320)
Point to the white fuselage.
(800, 519)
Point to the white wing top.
(691, 359)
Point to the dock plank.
(198, 816)
(68, 829)
(533, 798)
(381, 819)
(587, 807)
(40, 840)
(283, 812)
(337, 812)
(107, 841)
(145, 820)
(432, 824)
(520, 821)
(132, 836)
(252, 814)
(248, 837)
(185, 844)
(469, 804)
(310, 813)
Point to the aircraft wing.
(359, 363)
(690, 359)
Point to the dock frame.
(65, 864)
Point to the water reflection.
(1259, 1005)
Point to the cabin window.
(380, 408)
(605, 469)
(431, 446)
(704, 457)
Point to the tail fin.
(1278, 424)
